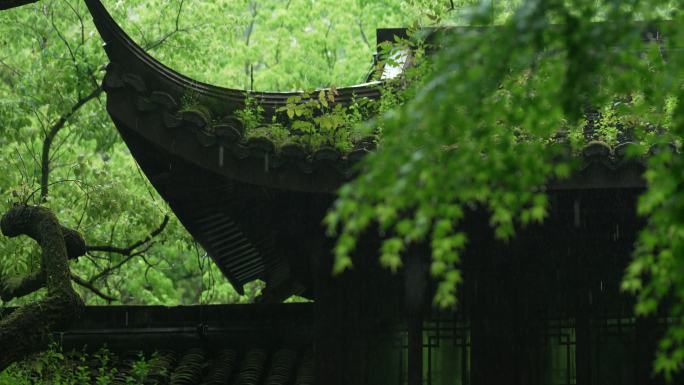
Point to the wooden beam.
(8, 4)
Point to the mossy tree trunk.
(27, 330)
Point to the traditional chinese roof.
(255, 206)
(221, 185)
(146, 95)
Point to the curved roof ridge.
(121, 49)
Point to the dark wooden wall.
(567, 269)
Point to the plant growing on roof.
(55, 366)
(252, 115)
(315, 120)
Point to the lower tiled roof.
(255, 366)
(256, 344)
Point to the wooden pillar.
(583, 348)
(647, 336)
(581, 255)
(329, 341)
(494, 338)
(414, 296)
(583, 334)
(644, 351)
(352, 310)
(505, 314)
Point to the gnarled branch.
(27, 329)
(15, 287)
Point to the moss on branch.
(27, 329)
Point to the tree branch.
(129, 252)
(359, 22)
(16, 287)
(129, 249)
(254, 11)
(9, 80)
(52, 133)
(168, 35)
(27, 329)
(88, 285)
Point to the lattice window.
(446, 351)
(613, 351)
(560, 350)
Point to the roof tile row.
(256, 366)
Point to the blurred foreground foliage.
(479, 131)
